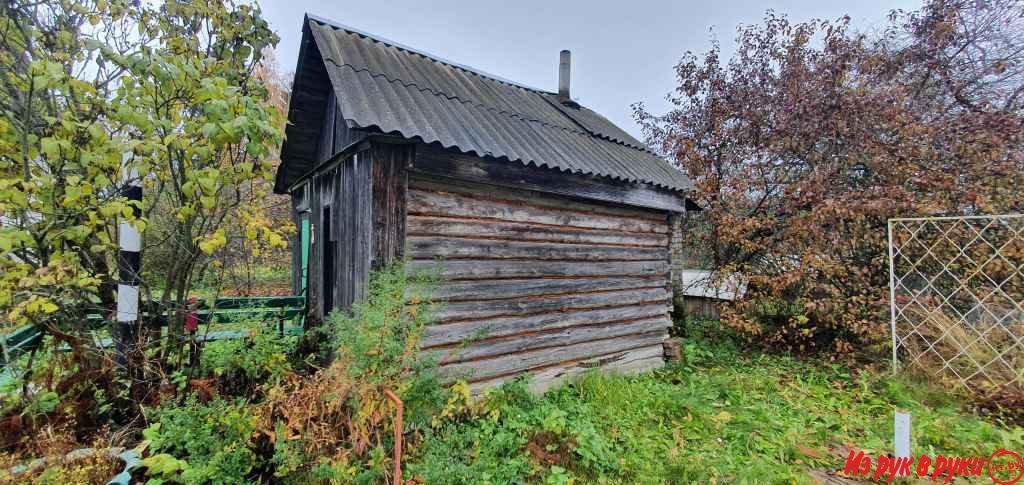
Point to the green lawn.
(723, 416)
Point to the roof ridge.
(412, 50)
(542, 93)
(510, 114)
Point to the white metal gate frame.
(925, 296)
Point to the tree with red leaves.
(812, 135)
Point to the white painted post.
(892, 301)
(901, 434)
(129, 257)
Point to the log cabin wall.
(559, 282)
(538, 283)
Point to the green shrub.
(240, 365)
(338, 423)
(379, 337)
(379, 341)
(513, 432)
(489, 449)
(214, 440)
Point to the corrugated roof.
(384, 85)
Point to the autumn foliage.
(812, 135)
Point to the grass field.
(723, 416)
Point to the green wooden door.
(304, 241)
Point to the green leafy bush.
(512, 433)
(336, 426)
(378, 342)
(379, 337)
(240, 365)
(488, 449)
(203, 443)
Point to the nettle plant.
(97, 93)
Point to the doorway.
(329, 255)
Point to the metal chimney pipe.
(563, 76)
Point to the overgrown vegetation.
(98, 95)
(255, 415)
(796, 186)
(197, 442)
(86, 466)
(725, 415)
(255, 411)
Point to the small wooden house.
(551, 224)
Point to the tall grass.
(981, 353)
(724, 415)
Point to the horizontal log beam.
(489, 368)
(519, 288)
(524, 231)
(518, 195)
(629, 362)
(466, 331)
(450, 204)
(541, 340)
(440, 162)
(475, 270)
(532, 305)
(432, 247)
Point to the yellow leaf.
(213, 242)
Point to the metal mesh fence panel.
(957, 298)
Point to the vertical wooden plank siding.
(326, 149)
(361, 199)
(538, 283)
(390, 181)
(317, 188)
(347, 190)
(346, 187)
(354, 222)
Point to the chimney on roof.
(563, 76)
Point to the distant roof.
(382, 85)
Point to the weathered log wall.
(538, 283)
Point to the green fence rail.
(278, 309)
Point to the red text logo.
(1004, 467)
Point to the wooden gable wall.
(536, 282)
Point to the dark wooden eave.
(437, 161)
(310, 92)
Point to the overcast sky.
(623, 51)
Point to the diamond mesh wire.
(957, 298)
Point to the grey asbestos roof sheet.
(383, 85)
